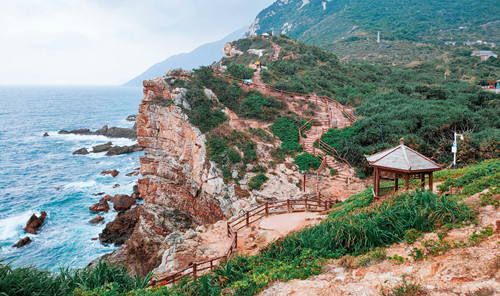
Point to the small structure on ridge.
(401, 162)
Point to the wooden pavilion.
(401, 162)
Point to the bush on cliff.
(287, 130)
(239, 71)
(307, 161)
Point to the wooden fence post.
(248, 219)
(316, 101)
(282, 95)
(314, 150)
(304, 182)
(306, 205)
(288, 205)
(293, 97)
(235, 239)
(211, 265)
(267, 208)
(194, 270)
(228, 231)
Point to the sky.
(107, 42)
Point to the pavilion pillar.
(377, 182)
(422, 180)
(407, 181)
(430, 181)
(396, 185)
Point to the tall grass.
(363, 229)
(36, 282)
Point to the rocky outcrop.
(101, 206)
(81, 151)
(123, 202)
(96, 220)
(117, 150)
(102, 147)
(22, 242)
(230, 51)
(35, 223)
(112, 132)
(121, 228)
(113, 173)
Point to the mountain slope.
(202, 55)
(322, 22)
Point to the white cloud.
(107, 42)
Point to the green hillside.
(344, 26)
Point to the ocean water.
(40, 173)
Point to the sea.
(40, 173)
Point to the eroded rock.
(96, 220)
(113, 173)
(35, 223)
(81, 151)
(102, 147)
(101, 206)
(22, 242)
(123, 202)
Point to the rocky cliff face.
(180, 187)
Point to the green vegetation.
(396, 102)
(287, 130)
(225, 151)
(257, 181)
(239, 71)
(307, 161)
(348, 21)
(32, 281)
(405, 289)
(475, 179)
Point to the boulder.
(123, 202)
(35, 223)
(113, 173)
(22, 242)
(82, 151)
(131, 117)
(135, 173)
(102, 147)
(121, 228)
(117, 150)
(99, 193)
(101, 206)
(117, 132)
(136, 193)
(96, 220)
(107, 197)
(46, 134)
(116, 185)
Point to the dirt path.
(268, 229)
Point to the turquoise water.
(40, 173)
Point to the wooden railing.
(325, 100)
(320, 204)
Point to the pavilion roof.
(402, 158)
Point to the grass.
(33, 281)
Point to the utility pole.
(454, 149)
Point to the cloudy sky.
(105, 42)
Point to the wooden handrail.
(290, 205)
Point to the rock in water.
(131, 117)
(101, 206)
(120, 229)
(117, 150)
(96, 220)
(113, 173)
(22, 242)
(35, 223)
(82, 151)
(123, 202)
(102, 147)
(46, 134)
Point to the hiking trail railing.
(322, 203)
(318, 100)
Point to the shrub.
(239, 71)
(257, 181)
(287, 130)
(307, 161)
